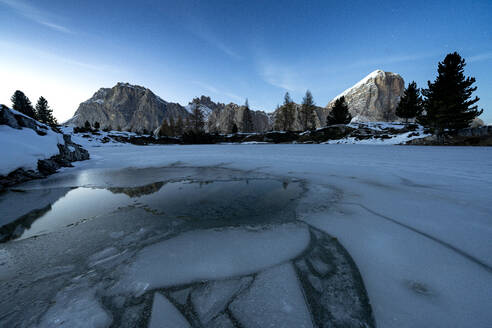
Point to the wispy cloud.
(203, 32)
(35, 14)
(480, 57)
(375, 61)
(280, 76)
(212, 89)
(38, 53)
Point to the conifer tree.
(197, 119)
(307, 111)
(87, 125)
(285, 114)
(172, 127)
(179, 126)
(339, 114)
(410, 104)
(247, 118)
(448, 102)
(234, 128)
(164, 130)
(97, 126)
(22, 104)
(44, 113)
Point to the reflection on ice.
(204, 248)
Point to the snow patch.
(22, 148)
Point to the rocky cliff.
(221, 117)
(135, 108)
(374, 98)
(128, 107)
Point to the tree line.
(446, 105)
(41, 112)
(194, 123)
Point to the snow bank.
(23, 148)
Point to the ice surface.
(214, 297)
(76, 307)
(213, 254)
(416, 220)
(274, 300)
(180, 296)
(165, 315)
(221, 321)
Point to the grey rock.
(374, 98)
(221, 117)
(7, 118)
(129, 107)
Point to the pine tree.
(197, 119)
(448, 102)
(247, 118)
(339, 114)
(307, 111)
(22, 104)
(172, 127)
(87, 125)
(164, 130)
(44, 113)
(285, 114)
(234, 128)
(179, 127)
(97, 126)
(410, 104)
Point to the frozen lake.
(241, 236)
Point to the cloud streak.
(17, 47)
(210, 88)
(35, 15)
(480, 57)
(204, 33)
(388, 60)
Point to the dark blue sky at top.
(230, 50)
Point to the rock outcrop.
(221, 117)
(374, 98)
(135, 108)
(68, 150)
(126, 107)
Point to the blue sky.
(232, 50)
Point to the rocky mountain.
(221, 117)
(374, 98)
(135, 108)
(128, 107)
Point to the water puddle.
(198, 202)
